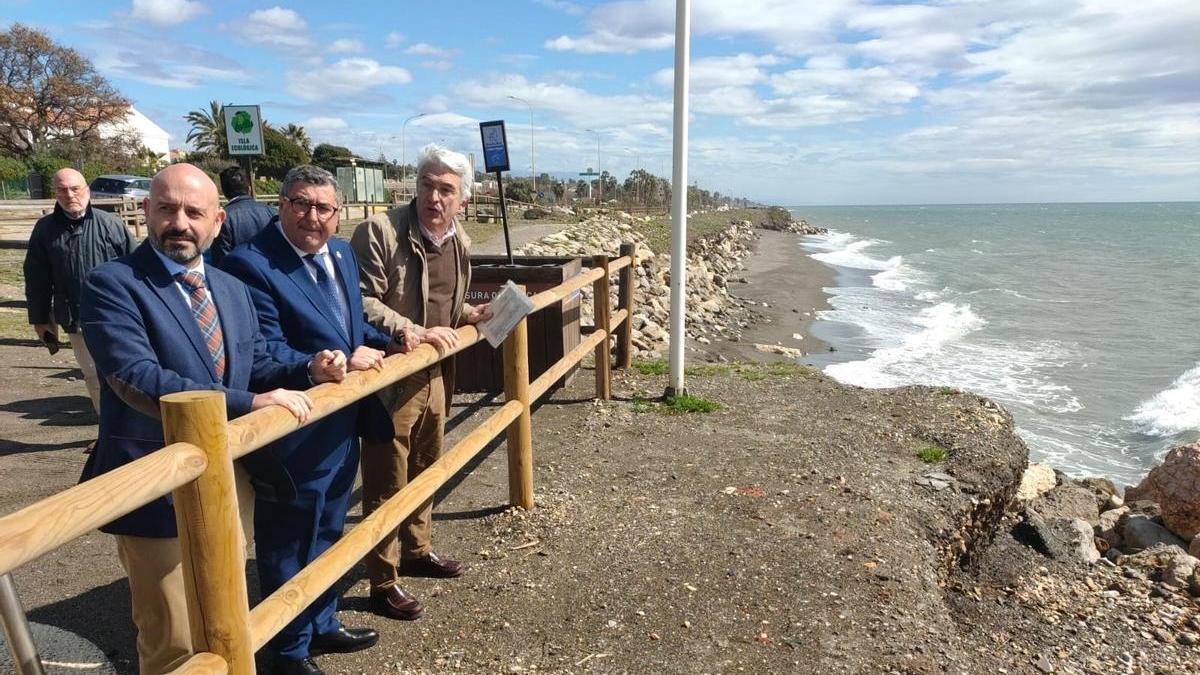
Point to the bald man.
(63, 247)
(160, 321)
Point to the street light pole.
(532, 166)
(403, 157)
(600, 180)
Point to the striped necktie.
(206, 318)
(329, 288)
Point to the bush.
(266, 187)
(535, 213)
(778, 217)
(933, 454)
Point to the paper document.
(508, 307)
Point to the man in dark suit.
(244, 217)
(159, 321)
(305, 289)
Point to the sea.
(1083, 320)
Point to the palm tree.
(296, 134)
(208, 130)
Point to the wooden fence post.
(520, 432)
(213, 547)
(626, 278)
(600, 304)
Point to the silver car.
(109, 187)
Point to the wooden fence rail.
(196, 466)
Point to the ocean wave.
(1172, 411)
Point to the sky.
(792, 102)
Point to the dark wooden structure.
(553, 332)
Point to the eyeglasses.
(301, 207)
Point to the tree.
(330, 157)
(50, 92)
(280, 155)
(296, 134)
(208, 130)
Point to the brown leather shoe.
(432, 565)
(396, 603)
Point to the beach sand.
(792, 285)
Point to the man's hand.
(42, 328)
(365, 358)
(441, 337)
(327, 365)
(477, 313)
(411, 340)
(297, 402)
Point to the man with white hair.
(63, 247)
(414, 270)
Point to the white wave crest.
(1174, 410)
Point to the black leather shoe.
(343, 641)
(432, 565)
(304, 666)
(396, 603)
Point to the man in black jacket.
(63, 247)
(244, 217)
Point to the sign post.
(495, 160)
(243, 135)
(589, 173)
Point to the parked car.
(109, 187)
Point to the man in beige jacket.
(414, 270)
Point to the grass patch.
(658, 229)
(751, 372)
(685, 403)
(933, 454)
(641, 404)
(651, 366)
(12, 267)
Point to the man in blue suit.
(305, 289)
(244, 217)
(159, 321)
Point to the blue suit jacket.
(296, 320)
(144, 338)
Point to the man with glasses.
(63, 247)
(304, 285)
(414, 270)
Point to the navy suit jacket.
(146, 343)
(296, 320)
(244, 218)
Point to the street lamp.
(532, 166)
(403, 157)
(600, 180)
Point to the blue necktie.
(333, 294)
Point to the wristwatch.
(398, 338)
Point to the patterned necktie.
(333, 295)
(206, 317)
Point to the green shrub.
(933, 454)
(685, 403)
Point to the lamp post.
(403, 157)
(600, 179)
(532, 166)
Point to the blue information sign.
(495, 146)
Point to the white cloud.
(576, 105)
(722, 71)
(346, 78)
(571, 8)
(426, 49)
(438, 65)
(147, 58)
(325, 124)
(166, 12)
(393, 40)
(346, 46)
(607, 42)
(275, 27)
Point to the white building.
(144, 129)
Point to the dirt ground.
(792, 530)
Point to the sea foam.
(1174, 410)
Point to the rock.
(1064, 538)
(1037, 480)
(1106, 493)
(1194, 547)
(1152, 561)
(779, 349)
(1178, 572)
(1069, 501)
(1108, 530)
(1139, 533)
(1175, 486)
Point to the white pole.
(683, 18)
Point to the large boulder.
(1175, 485)
(1068, 501)
(1037, 480)
(1108, 529)
(1106, 493)
(1139, 533)
(1063, 538)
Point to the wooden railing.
(196, 466)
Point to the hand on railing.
(327, 365)
(366, 358)
(441, 337)
(296, 402)
(477, 313)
